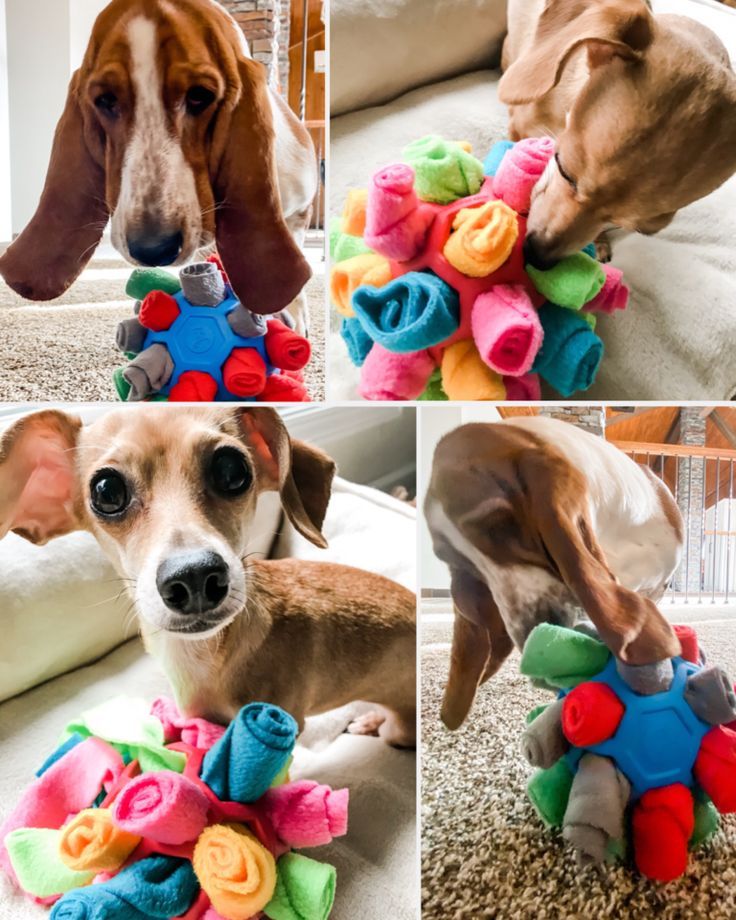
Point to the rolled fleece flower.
(285, 348)
(199, 733)
(193, 386)
(591, 713)
(244, 372)
(572, 283)
(614, 295)
(444, 171)
(483, 240)
(389, 375)
(346, 277)
(520, 170)
(507, 329)
(410, 313)
(571, 352)
(715, 768)
(165, 806)
(159, 311)
(91, 842)
(283, 388)
(662, 823)
(526, 388)
(305, 814)
(353, 215)
(237, 873)
(395, 226)
(466, 376)
(357, 340)
(305, 889)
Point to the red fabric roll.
(295, 375)
(244, 372)
(662, 824)
(194, 386)
(688, 642)
(285, 348)
(283, 388)
(158, 311)
(216, 260)
(715, 768)
(590, 714)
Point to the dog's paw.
(367, 724)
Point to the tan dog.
(170, 494)
(643, 109)
(171, 131)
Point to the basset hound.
(171, 132)
(536, 519)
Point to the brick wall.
(266, 26)
(590, 418)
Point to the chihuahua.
(170, 494)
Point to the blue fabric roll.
(241, 766)
(358, 342)
(410, 313)
(71, 742)
(153, 889)
(589, 250)
(571, 352)
(495, 155)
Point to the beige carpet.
(64, 350)
(485, 852)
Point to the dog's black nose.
(156, 249)
(535, 256)
(193, 582)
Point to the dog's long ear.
(71, 216)
(480, 644)
(610, 28)
(631, 625)
(300, 473)
(265, 266)
(39, 491)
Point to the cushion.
(381, 48)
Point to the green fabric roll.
(34, 854)
(707, 821)
(348, 246)
(305, 889)
(562, 657)
(444, 171)
(537, 711)
(549, 790)
(121, 384)
(145, 280)
(571, 283)
(434, 391)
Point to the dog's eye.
(569, 179)
(108, 104)
(198, 99)
(230, 473)
(109, 493)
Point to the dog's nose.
(193, 582)
(156, 249)
(535, 256)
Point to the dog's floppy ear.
(39, 491)
(300, 473)
(610, 28)
(54, 248)
(630, 625)
(480, 644)
(265, 266)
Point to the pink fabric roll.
(520, 170)
(198, 733)
(614, 295)
(305, 814)
(388, 375)
(163, 806)
(506, 329)
(523, 389)
(395, 225)
(67, 787)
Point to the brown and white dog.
(642, 107)
(536, 519)
(170, 495)
(171, 131)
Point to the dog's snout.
(156, 248)
(535, 255)
(193, 582)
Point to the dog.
(642, 107)
(536, 519)
(171, 132)
(170, 497)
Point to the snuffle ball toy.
(430, 279)
(191, 340)
(142, 815)
(631, 758)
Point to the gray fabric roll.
(130, 335)
(647, 679)
(245, 323)
(543, 742)
(588, 629)
(595, 810)
(711, 696)
(137, 307)
(149, 372)
(202, 284)
(286, 318)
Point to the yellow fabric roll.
(347, 276)
(464, 145)
(90, 842)
(466, 376)
(483, 240)
(353, 215)
(235, 870)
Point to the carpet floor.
(64, 350)
(485, 853)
